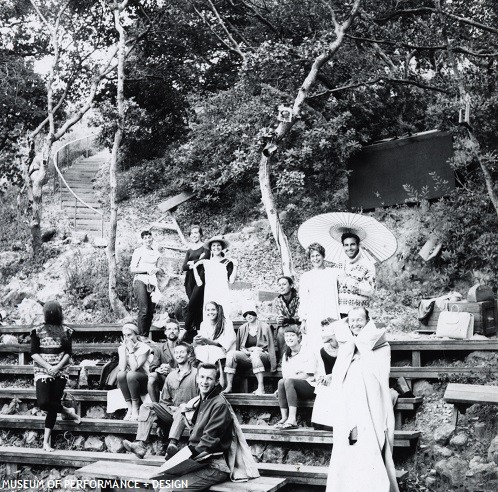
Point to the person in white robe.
(361, 411)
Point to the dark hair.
(210, 367)
(172, 321)
(183, 344)
(315, 247)
(145, 233)
(296, 331)
(348, 235)
(52, 312)
(219, 321)
(360, 308)
(289, 279)
(196, 226)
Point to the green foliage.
(151, 176)
(88, 275)
(13, 227)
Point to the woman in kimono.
(361, 411)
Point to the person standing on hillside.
(164, 361)
(356, 276)
(318, 298)
(195, 293)
(219, 273)
(51, 350)
(144, 265)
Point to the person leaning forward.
(216, 432)
(180, 387)
(163, 361)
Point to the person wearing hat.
(144, 265)
(133, 369)
(218, 271)
(254, 349)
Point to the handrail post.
(102, 225)
(75, 211)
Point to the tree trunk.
(37, 174)
(116, 305)
(271, 213)
(283, 129)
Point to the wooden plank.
(94, 328)
(236, 399)
(303, 474)
(252, 432)
(261, 484)
(471, 393)
(396, 372)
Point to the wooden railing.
(64, 159)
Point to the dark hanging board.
(379, 171)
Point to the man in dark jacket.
(211, 435)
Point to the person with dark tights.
(195, 293)
(144, 264)
(330, 346)
(133, 369)
(51, 350)
(285, 308)
(299, 370)
(163, 361)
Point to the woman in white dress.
(318, 296)
(216, 335)
(218, 273)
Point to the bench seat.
(298, 474)
(465, 395)
(306, 435)
(407, 371)
(236, 399)
(139, 473)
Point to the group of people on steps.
(322, 335)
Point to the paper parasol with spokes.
(376, 240)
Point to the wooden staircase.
(80, 177)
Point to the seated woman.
(299, 370)
(216, 335)
(51, 353)
(133, 369)
(254, 348)
(330, 347)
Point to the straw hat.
(217, 239)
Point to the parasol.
(377, 241)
